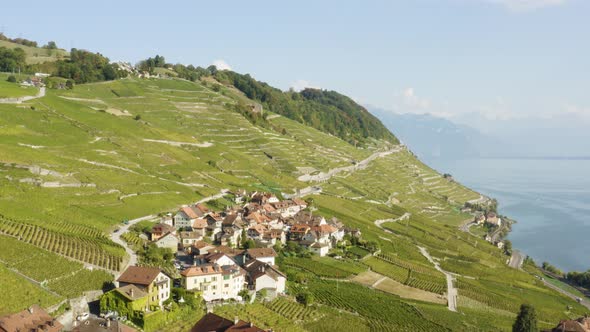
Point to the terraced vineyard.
(293, 310)
(427, 281)
(325, 266)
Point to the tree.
(70, 84)
(51, 45)
(526, 321)
(243, 238)
(305, 298)
(11, 79)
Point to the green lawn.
(13, 90)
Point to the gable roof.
(189, 212)
(200, 223)
(131, 292)
(201, 270)
(139, 275)
(242, 326)
(212, 323)
(261, 252)
(257, 269)
(34, 318)
(162, 228)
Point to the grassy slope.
(36, 54)
(12, 90)
(83, 144)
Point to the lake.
(550, 199)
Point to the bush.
(11, 79)
(305, 298)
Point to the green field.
(75, 163)
(13, 90)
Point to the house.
(262, 275)
(480, 218)
(128, 296)
(200, 225)
(188, 239)
(169, 241)
(32, 319)
(265, 255)
(185, 217)
(214, 258)
(228, 237)
(257, 231)
(167, 219)
(274, 235)
(214, 282)
(99, 325)
(492, 219)
(214, 323)
(298, 231)
(321, 249)
(201, 248)
(150, 280)
(574, 325)
(160, 230)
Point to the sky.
(499, 59)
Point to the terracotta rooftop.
(201, 270)
(34, 318)
(212, 323)
(261, 252)
(131, 292)
(139, 275)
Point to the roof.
(257, 269)
(139, 275)
(202, 208)
(243, 326)
(201, 270)
(202, 244)
(200, 223)
(97, 325)
(190, 235)
(319, 245)
(162, 228)
(34, 318)
(299, 228)
(212, 323)
(261, 252)
(189, 212)
(325, 229)
(299, 201)
(131, 292)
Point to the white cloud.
(221, 64)
(527, 5)
(299, 85)
(407, 101)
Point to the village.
(224, 255)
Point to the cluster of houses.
(260, 217)
(490, 218)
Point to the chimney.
(236, 320)
(31, 310)
(108, 323)
(250, 324)
(131, 292)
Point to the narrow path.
(451, 290)
(19, 100)
(378, 282)
(380, 222)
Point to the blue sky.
(499, 58)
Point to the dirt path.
(516, 259)
(451, 290)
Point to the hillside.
(37, 55)
(327, 111)
(75, 163)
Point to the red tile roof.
(139, 275)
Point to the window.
(214, 279)
(213, 287)
(226, 285)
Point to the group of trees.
(21, 41)
(87, 67)
(150, 63)
(579, 278)
(548, 267)
(12, 59)
(327, 111)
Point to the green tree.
(526, 321)
(70, 84)
(11, 79)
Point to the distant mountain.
(430, 137)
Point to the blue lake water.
(550, 199)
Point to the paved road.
(516, 259)
(452, 293)
(25, 98)
(116, 236)
(323, 176)
(584, 302)
(379, 222)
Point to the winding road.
(116, 236)
(380, 222)
(452, 293)
(19, 100)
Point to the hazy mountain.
(430, 137)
